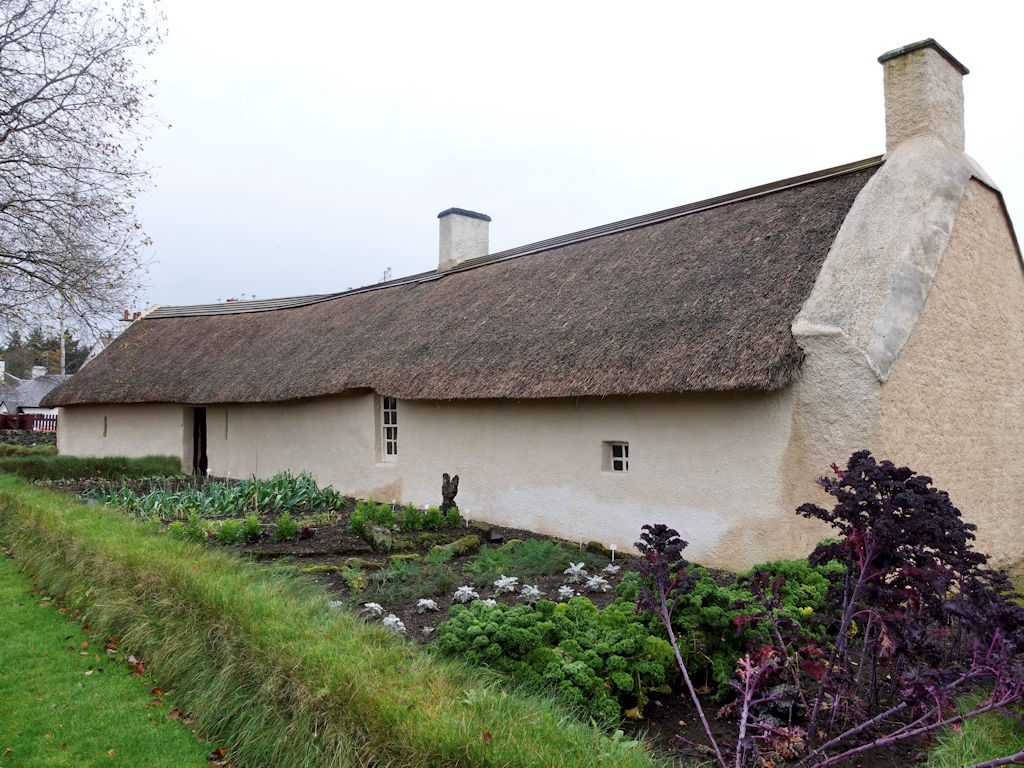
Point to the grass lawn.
(57, 708)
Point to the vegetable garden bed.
(560, 617)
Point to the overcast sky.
(308, 146)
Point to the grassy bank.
(266, 668)
(23, 450)
(50, 467)
(65, 705)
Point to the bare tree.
(72, 113)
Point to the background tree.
(71, 120)
(39, 348)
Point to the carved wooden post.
(449, 487)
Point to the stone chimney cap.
(929, 43)
(464, 212)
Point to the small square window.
(615, 457)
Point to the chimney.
(464, 236)
(924, 94)
(38, 370)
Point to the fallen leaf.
(217, 754)
(110, 753)
(86, 627)
(62, 611)
(138, 669)
(63, 746)
(88, 671)
(85, 644)
(486, 736)
(132, 660)
(634, 714)
(156, 692)
(155, 703)
(46, 736)
(175, 713)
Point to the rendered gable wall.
(954, 405)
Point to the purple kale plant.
(666, 577)
(921, 618)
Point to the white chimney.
(464, 236)
(38, 370)
(924, 94)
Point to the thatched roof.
(696, 298)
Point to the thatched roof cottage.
(698, 366)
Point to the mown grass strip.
(267, 669)
(59, 707)
(48, 467)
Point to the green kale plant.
(596, 661)
(230, 532)
(251, 528)
(384, 515)
(433, 518)
(359, 517)
(286, 529)
(412, 518)
(194, 529)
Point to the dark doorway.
(199, 460)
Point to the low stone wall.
(27, 437)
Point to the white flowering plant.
(530, 594)
(506, 584)
(464, 594)
(425, 604)
(394, 624)
(375, 608)
(576, 572)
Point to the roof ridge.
(635, 222)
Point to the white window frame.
(388, 428)
(609, 459)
